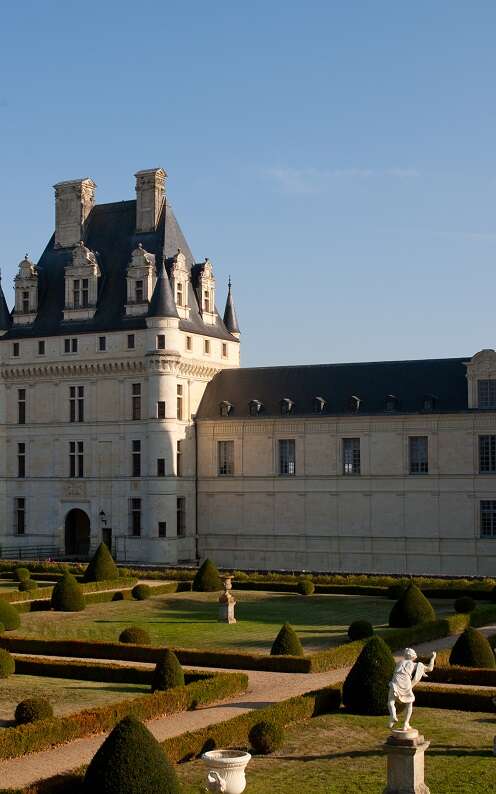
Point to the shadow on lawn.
(136, 690)
(441, 750)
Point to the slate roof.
(162, 303)
(230, 318)
(111, 232)
(409, 381)
(5, 318)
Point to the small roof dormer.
(81, 284)
(26, 292)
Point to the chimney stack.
(74, 201)
(150, 194)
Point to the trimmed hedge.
(437, 696)
(287, 643)
(470, 676)
(9, 616)
(207, 578)
(32, 710)
(7, 664)
(141, 592)
(168, 673)
(266, 736)
(67, 595)
(472, 649)
(101, 567)
(135, 635)
(365, 690)
(411, 609)
(306, 587)
(22, 574)
(27, 586)
(360, 630)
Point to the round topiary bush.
(287, 643)
(168, 673)
(360, 630)
(7, 663)
(32, 710)
(9, 616)
(465, 604)
(27, 586)
(411, 609)
(266, 737)
(141, 592)
(101, 567)
(22, 574)
(395, 591)
(135, 635)
(472, 649)
(365, 690)
(306, 587)
(130, 761)
(67, 595)
(207, 578)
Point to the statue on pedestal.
(407, 673)
(227, 603)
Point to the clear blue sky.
(337, 158)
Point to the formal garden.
(102, 651)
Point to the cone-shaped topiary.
(168, 673)
(287, 643)
(360, 630)
(135, 635)
(130, 761)
(31, 710)
(7, 664)
(266, 737)
(411, 608)
(472, 649)
(365, 690)
(9, 616)
(67, 595)
(22, 574)
(101, 566)
(306, 587)
(207, 578)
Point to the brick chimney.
(74, 201)
(150, 194)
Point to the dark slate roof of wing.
(230, 318)
(111, 232)
(409, 381)
(5, 318)
(162, 303)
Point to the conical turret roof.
(162, 303)
(5, 319)
(230, 319)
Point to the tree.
(168, 673)
(207, 579)
(287, 643)
(365, 690)
(101, 566)
(472, 649)
(411, 608)
(67, 595)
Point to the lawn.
(190, 619)
(341, 754)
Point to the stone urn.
(226, 770)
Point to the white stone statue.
(406, 674)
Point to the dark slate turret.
(5, 319)
(162, 303)
(230, 319)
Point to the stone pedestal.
(405, 762)
(227, 603)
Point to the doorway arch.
(77, 533)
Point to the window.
(206, 300)
(488, 518)
(180, 402)
(130, 341)
(102, 343)
(160, 467)
(418, 447)
(21, 459)
(255, 407)
(225, 458)
(181, 517)
(287, 456)
(76, 403)
(139, 292)
(80, 293)
(41, 348)
(354, 404)
(189, 343)
(25, 302)
(429, 402)
(76, 459)
(161, 342)
(136, 459)
(15, 349)
(20, 516)
(225, 408)
(162, 529)
(161, 409)
(206, 346)
(70, 345)
(179, 459)
(135, 510)
(486, 393)
(487, 454)
(391, 403)
(179, 293)
(136, 401)
(318, 405)
(286, 405)
(21, 406)
(351, 456)
(84, 293)
(224, 350)
(76, 293)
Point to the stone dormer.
(481, 380)
(205, 287)
(81, 284)
(140, 278)
(26, 293)
(179, 272)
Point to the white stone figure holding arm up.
(406, 674)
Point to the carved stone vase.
(226, 770)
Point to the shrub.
(2, 628)
(306, 587)
(395, 591)
(287, 643)
(266, 737)
(27, 586)
(207, 578)
(365, 690)
(135, 635)
(141, 592)
(32, 710)
(67, 595)
(122, 595)
(101, 566)
(9, 616)
(22, 574)
(7, 664)
(411, 609)
(465, 604)
(472, 649)
(130, 761)
(168, 673)
(360, 630)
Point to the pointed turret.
(5, 319)
(230, 319)
(162, 303)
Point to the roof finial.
(229, 284)
(26, 255)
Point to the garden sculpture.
(407, 673)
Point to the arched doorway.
(77, 534)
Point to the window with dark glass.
(224, 350)
(76, 293)
(255, 407)
(162, 529)
(391, 403)
(287, 456)
(179, 293)
(139, 292)
(179, 459)
(287, 405)
(130, 341)
(206, 300)
(351, 456)
(21, 406)
(70, 345)
(102, 343)
(160, 342)
(15, 349)
(20, 515)
(21, 459)
(225, 454)
(181, 516)
(41, 348)
(189, 343)
(418, 450)
(179, 402)
(135, 511)
(25, 302)
(136, 400)
(76, 403)
(136, 459)
(486, 391)
(76, 459)
(488, 518)
(487, 454)
(318, 404)
(160, 467)
(161, 409)
(206, 346)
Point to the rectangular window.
(161, 409)
(136, 401)
(181, 516)
(84, 293)
(76, 459)
(135, 505)
(224, 349)
(162, 529)
(139, 292)
(21, 459)
(189, 343)
(179, 459)
(20, 516)
(418, 450)
(41, 348)
(15, 349)
(136, 455)
(487, 454)
(161, 342)
(70, 345)
(179, 293)
(67, 345)
(351, 456)
(486, 393)
(287, 456)
(76, 403)
(102, 343)
(130, 342)
(225, 451)
(160, 467)
(206, 346)
(76, 293)
(206, 300)
(25, 302)
(21, 406)
(488, 518)
(180, 402)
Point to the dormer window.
(206, 300)
(318, 405)
(354, 403)
(287, 406)
(205, 286)
(80, 293)
(81, 284)
(225, 408)
(140, 278)
(255, 407)
(139, 292)
(180, 276)
(486, 393)
(391, 403)
(179, 294)
(429, 402)
(25, 302)
(26, 293)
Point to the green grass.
(341, 754)
(190, 619)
